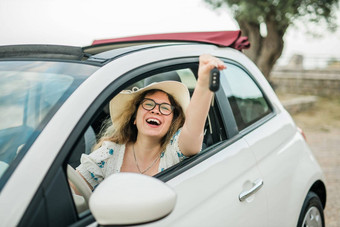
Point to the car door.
(209, 193)
(280, 151)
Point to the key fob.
(214, 81)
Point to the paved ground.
(326, 148)
(321, 124)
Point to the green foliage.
(282, 12)
(275, 16)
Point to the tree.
(276, 16)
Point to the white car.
(255, 168)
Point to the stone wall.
(307, 82)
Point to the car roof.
(102, 51)
(110, 48)
(41, 51)
(220, 38)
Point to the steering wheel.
(81, 186)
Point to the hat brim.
(177, 90)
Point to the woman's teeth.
(153, 121)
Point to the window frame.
(91, 113)
(141, 73)
(263, 119)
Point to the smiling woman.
(138, 137)
(152, 129)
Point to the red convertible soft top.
(221, 38)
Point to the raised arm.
(192, 134)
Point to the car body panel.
(208, 194)
(299, 167)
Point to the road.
(325, 144)
(321, 125)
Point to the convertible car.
(255, 167)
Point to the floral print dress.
(108, 159)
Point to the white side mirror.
(130, 198)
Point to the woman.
(153, 128)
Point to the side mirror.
(130, 198)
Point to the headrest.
(172, 75)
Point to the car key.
(214, 81)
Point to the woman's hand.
(206, 64)
(191, 137)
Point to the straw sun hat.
(176, 89)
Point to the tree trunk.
(271, 49)
(252, 31)
(264, 51)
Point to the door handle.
(256, 186)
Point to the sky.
(79, 22)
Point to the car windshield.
(30, 93)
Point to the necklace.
(144, 171)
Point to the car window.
(31, 91)
(214, 130)
(245, 97)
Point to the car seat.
(171, 75)
(85, 144)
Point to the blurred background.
(295, 43)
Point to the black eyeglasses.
(164, 108)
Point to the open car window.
(214, 129)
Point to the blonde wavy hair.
(125, 131)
